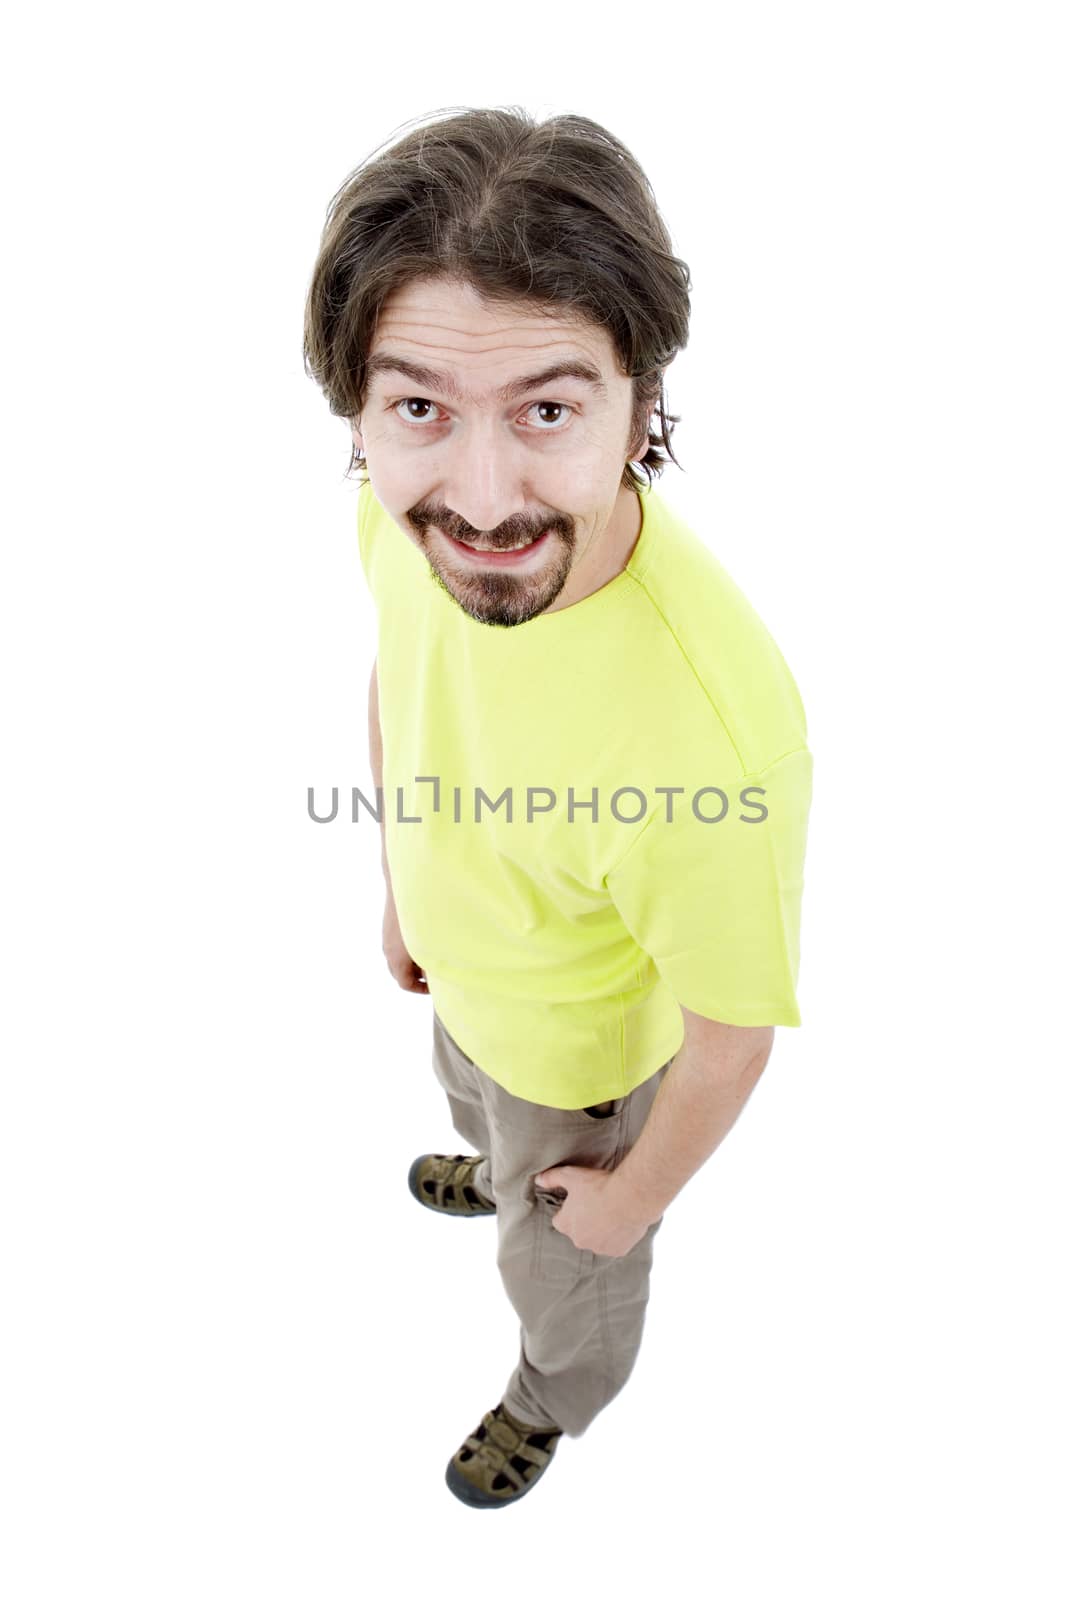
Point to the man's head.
(470, 457)
(480, 251)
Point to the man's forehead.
(460, 307)
(447, 332)
(441, 379)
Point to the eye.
(412, 400)
(548, 405)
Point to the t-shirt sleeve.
(716, 903)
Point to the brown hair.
(557, 213)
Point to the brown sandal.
(445, 1183)
(501, 1460)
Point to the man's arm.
(407, 973)
(700, 1098)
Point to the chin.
(500, 601)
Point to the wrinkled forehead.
(438, 325)
(464, 310)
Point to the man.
(591, 757)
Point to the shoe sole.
(464, 1490)
(440, 1210)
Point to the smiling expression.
(490, 427)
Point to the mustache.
(508, 534)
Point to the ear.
(643, 442)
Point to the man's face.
(453, 459)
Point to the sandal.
(501, 1460)
(445, 1183)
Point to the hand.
(403, 969)
(593, 1216)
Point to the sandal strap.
(507, 1442)
(459, 1172)
(502, 1443)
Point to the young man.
(591, 755)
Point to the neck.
(607, 553)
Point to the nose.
(483, 480)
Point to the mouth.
(499, 558)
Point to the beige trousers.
(581, 1315)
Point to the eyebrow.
(444, 383)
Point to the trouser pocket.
(555, 1258)
(607, 1108)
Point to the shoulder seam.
(800, 749)
(703, 686)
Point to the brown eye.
(549, 405)
(412, 401)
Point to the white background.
(236, 1356)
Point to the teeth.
(494, 549)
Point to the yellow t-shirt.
(558, 940)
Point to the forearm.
(694, 1109)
